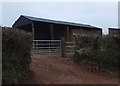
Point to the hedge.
(102, 50)
(16, 54)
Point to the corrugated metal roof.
(58, 22)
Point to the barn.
(45, 29)
(114, 31)
(49, 34)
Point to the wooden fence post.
(63, 47)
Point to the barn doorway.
(50, 47)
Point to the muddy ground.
(46, 69)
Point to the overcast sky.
(100, 14)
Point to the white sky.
(100, 14)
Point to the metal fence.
(52, 47)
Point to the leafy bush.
(104, 51)
(82, 54)
(16, 54)
(88, 41)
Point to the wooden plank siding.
(114, 31)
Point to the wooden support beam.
(68, 38)
(52, 34)
(33, 30)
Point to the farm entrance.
(51, 47)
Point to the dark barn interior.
(42, 31)
(47, 31)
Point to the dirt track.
(55, 70)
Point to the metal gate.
(52, 47)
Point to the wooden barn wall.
(114, 32)
(27, 28)
(84, 31)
